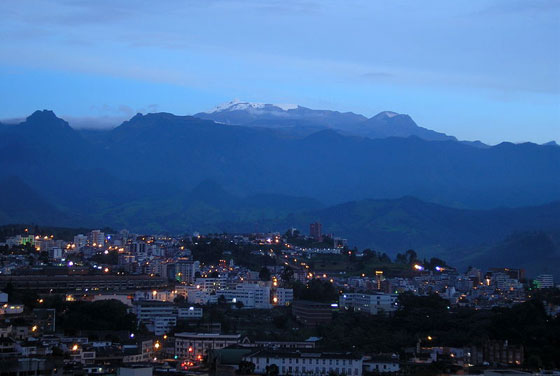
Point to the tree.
(401, 258)
(287, 274)
(222, 300)
(316, 290)
(264, 274)
(272, 370)
(411, 256)
(239, 304)
(246, 368)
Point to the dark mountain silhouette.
(537, 252)
(19, 203)
(160, 155)
(390, 124)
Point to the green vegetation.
(316, 290)
(352, 265)
(420, 316)
(525, 324)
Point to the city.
(268, 303)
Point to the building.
(312, 313)
(192, 345)
(96, 238)
(80, 241)
(316, 231)
(382, 363)
(370, 303)
(283, 296)
(55, 253)
(544, 281)
(189, 313)
(300, 363)
(45, 320)
(250, 295)
(159, 317)
(186, 270)
(497, 352)
(77, 282)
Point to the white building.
(80, 241)
(545, 281)
(189, 313)
(251, 295)
(159, 317)
(192, 345)
(55, 253)
(199, 296)
(382, 364)
(283, 296)
(372, 304)
(212, 284)
(302, 363)
(96, 238)
(154, 295)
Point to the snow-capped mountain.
(278, 116)
(237, 105)
(303, 120)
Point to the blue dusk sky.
(486, 70)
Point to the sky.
(478, 70)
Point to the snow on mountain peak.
(388, 114)
(237, 105)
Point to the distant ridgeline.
(247, 167)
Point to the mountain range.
(243, 171)
(299, 119)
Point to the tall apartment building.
(96, 238)
(80, 241)
(316, 231)
(185, 270)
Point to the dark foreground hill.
(521, 237)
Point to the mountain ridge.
(461, 236)
(384, 124)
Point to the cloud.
(377, 75)
(516, 6)
(15, 120)
(94, 122)
(109, 116)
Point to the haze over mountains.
(247, 167)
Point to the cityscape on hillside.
(280, 188)
(256, 302)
